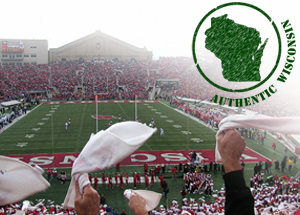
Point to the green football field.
(47, 125)
(43, 131)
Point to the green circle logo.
(240, 48)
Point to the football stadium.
(39, 135)
(57, 100)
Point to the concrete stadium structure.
(22, 52)
(98, 47)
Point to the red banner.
(65, 160)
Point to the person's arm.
(239, 200)
(137, 204)
(88, 202)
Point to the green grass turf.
(53, 138)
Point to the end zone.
(65, 160)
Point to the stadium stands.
(279, 194)
(117, 80)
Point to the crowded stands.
(116, 80)
(274, 193)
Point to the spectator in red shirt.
(96, 183)
(116, 179)
(145, 167)
(49, 172)
(54, 174)
(174, 171)
(161, 178)
(126, 178)
(138, 178)
(270, 166)
(110, 184)
(90, 178)
(157, 170)
(121, 179)
(103, 177)
(134, 180)
(152, 173)
(146, 181)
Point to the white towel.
(285, 125)
(19, 180)
(104, 150)
(284, 208)
(151, 198)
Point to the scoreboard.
(12, 46)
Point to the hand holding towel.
(285, 125)
(104, 150)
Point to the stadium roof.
(296, 137)
(10, 103)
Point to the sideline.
(199, 121)
(19, 118)
(189, 116)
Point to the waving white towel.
(151, 198)
(104, 150)
(285, 125)
(19, 180)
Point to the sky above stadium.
(165, 27)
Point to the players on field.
(161, 132)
